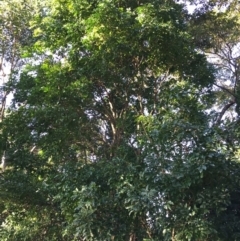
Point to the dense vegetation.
(124, 120)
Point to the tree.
(19, 207)
(108, 136)
(216, 34)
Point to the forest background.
(123, 122)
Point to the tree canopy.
(124, 121)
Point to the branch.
(225, 108)
(225, 89)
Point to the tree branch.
(225, 108)
(225, 89)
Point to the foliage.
(111, 133)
